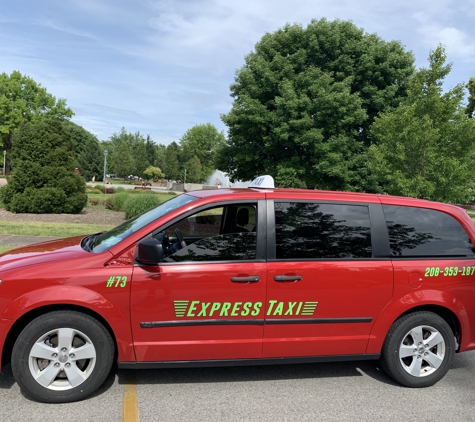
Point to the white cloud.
(160, 66)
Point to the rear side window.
(312, 230)
(420, 232)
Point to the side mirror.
(149, 252)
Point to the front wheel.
(418, 349)
(62, 357)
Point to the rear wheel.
(62, 357)
(418, 350)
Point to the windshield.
(105, 241)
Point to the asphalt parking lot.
(309, 392)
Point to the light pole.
(105, 165)
(4, 160)
(185, 178)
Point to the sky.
(160, 67)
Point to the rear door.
(326, 284)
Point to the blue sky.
(163, 66)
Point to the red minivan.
(243, 277)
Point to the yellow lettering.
(235, 310)
(214, 308)
(291, 306)
(246, 309)
(279, 309)
(192, 308)
(257, 308)
(204, 306)
(271, 305)
(225, 309)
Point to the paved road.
(357, 391)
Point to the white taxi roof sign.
(263, 182)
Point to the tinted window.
(224, 233)
(421, 232)
(227, 247)
(309, 230)
(108, 239)
(204, 223)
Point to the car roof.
(316, 194)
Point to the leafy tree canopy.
(193, 170)
(23, 100)
(471, 97)
(122, 160)
(153, 173)
(304, 102)
(88, 153)
(43, 179)
(202, 142)
(170, 166)
(425, 148)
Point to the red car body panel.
(368, 295)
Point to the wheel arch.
(29, 316)
(376, 342)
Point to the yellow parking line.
(130, 411)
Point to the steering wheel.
(180, 238)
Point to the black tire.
(50, 372)
(418, 349)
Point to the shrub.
(94, 191)
(40, 201)
(104, 189)
(138, 205)
(43, 178)
(94, 201)
(116, 202)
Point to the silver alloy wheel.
(422, 351)
(62, 359)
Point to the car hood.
(40, 253)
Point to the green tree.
(425, 148)
(90, 160)
(170, 166)
(136, 146)
(202, 141)
(304, 101)
(160, 151)
(122, 160)
(151, 151)
(88, 153)
(153, 173)
(23, 100)
(470, 110)
(139, 152)
(43, 179)
(193, 170)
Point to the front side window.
(105, 241)
(224, 233)
(316, 231)
(419, 232)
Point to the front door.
(206, 300)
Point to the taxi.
(243, 277)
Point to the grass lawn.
(50, 229)
(471, 213)
(5, 248)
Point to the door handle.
(286, 278)
(250, 279)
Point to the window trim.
(261, 229)
(373, 212)
(427, 257)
